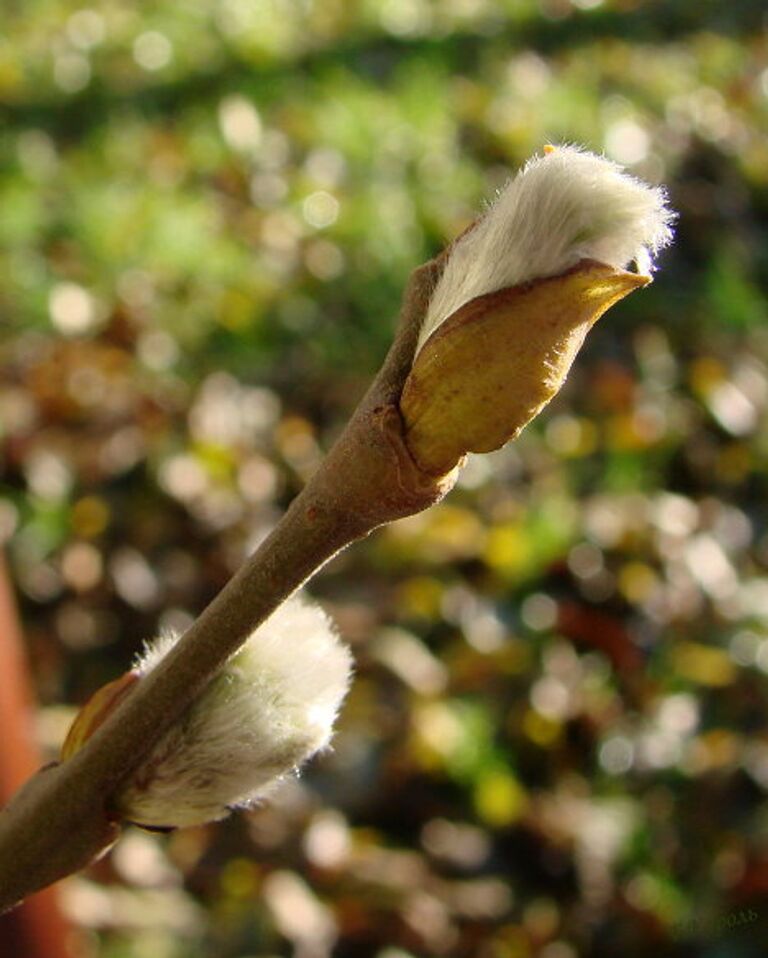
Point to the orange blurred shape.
(36, 929)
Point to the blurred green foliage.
(556, 744)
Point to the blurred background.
(556, 744)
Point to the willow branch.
(63, 816)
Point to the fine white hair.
(562, 207)
(271, 708)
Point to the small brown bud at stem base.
(95, 711)
(489, 368)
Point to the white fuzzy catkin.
(562, 207)
(271, 708)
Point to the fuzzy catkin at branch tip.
(563, 207)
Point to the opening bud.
(519, 291)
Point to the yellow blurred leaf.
(507, 548)
(421, 597)
(499, 798)
(703, 664)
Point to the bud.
(271, 707)
(519, 291)
(96, 710)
